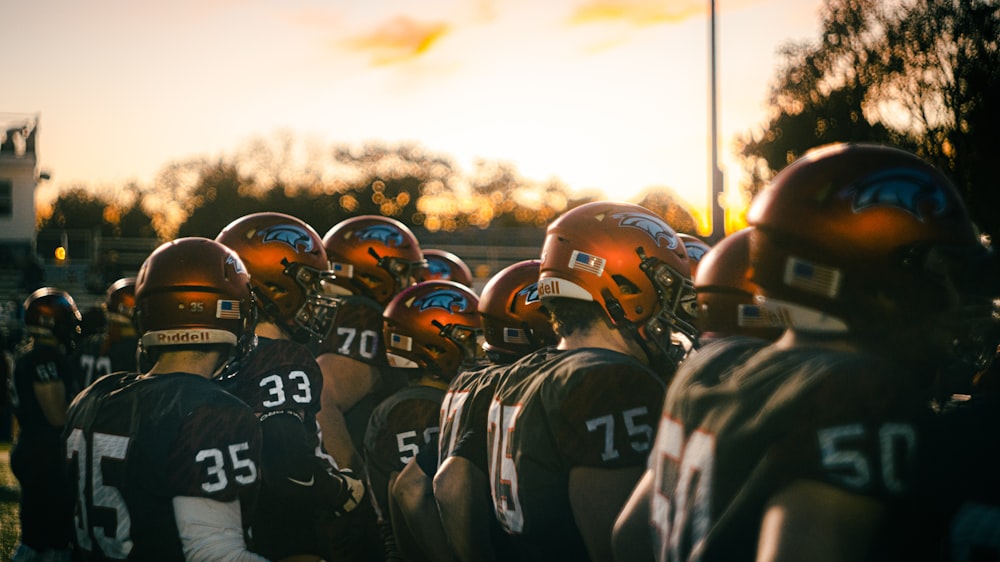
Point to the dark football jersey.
(464, 415)
(581, 408)
(98, 356)
(45, 509)
(133, 443)
(743, 420)
(38, 364)
(281, 377)
(356, 332)
(399, 427)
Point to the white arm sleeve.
(211, 530)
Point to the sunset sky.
(601, 94)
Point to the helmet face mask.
(288, 266)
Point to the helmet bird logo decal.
(530, 293)
(452, 301)
(381, 233)
(294, 236)
(911, 191)
(655, 227)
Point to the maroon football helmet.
(50, 313)
(727, 302)
(444, 265)
(433, 326)
(194, 291)
(514, 321)
(287, 264)
(631, 262)
(372, 255)
(874, 241)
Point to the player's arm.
(462, 492)
(596, 496)
(211, 530)
(289, 465)
(351, 379)
(630, 537)
(51, 396)
(809, 520)
(416, 518)
(336, 438)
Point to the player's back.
(743, 419)
(588, 407)
(152, 438)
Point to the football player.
(570, 427)
(40, 390)
(301, 487)
(431, 330)
(115, 348)
(373, 258)
(164, 464)
(798, 449)
(444, 265)
(514, 324)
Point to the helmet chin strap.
(631, 331)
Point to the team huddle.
(816, 386)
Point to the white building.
(18, 178)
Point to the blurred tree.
(920, 74)
(666, 203)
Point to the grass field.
(9, 493)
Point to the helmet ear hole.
(625, 286)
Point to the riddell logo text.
(183, 337)
(548, 287)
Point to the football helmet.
(119, 301)
(50, 313)
(287, 264)
(514, 321)
(628, 260)
(194, 291)
(443, 265)
(373, 255)
(872, 240)
(433, 326)
(727, 302)
(696, 249)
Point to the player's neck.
(599, 336)
(270, 330)
(201, 363)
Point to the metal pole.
(715, 202)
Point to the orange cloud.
(399, 39)
(638, 12)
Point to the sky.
(608, 95)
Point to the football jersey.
(355, 332)
(399, 427)
(98, 356)
(554, 411)
(743, 420)
(37, 364)
(281, 377)
(134, 442)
